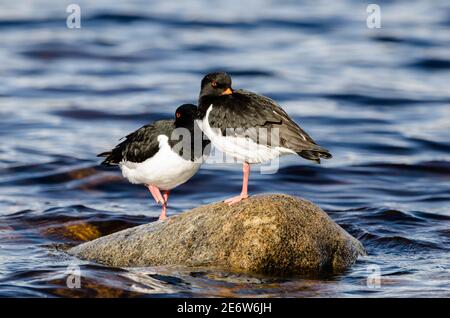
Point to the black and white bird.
(243, 124)
(152, 156)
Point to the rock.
(268, 234)
(80, 231)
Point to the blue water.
(379, 99)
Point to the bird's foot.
(162, 217)
(236, 199)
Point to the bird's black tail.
(110, 158)
(104, 154)
(315, 155)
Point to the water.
(379, 99)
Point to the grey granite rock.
(270, 234)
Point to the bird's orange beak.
(228, 91)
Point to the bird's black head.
(216, 84)
(185, 115)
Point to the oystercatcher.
(152, 157)
(243, 124)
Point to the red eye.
(178, 115)
(214, 84)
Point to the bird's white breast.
(241, 148)
(165, 170)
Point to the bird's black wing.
(139, 145)
(245, 112)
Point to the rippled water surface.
(379, 99)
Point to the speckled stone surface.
(268, 234)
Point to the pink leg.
(163, 215)
(244, 193)
(156, 194)
(150, 188)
